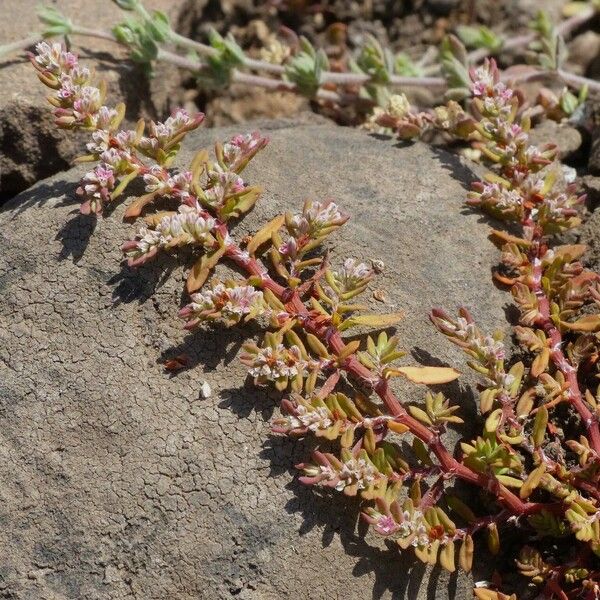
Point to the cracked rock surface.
(119, 480)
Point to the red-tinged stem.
(380, 386)
(557, 355)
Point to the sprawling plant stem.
(557, 355)
(449, 465)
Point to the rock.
(241, 103)
(119, 480)
(31, 147)
(442, 7)
(590, 185)
(568, 139)
(594, 158)
(583, 53)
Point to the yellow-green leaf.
(136, 207)
(202, 268)
(447, 557)
(372, 320)
(465, 554)
(539, 426)
(588, 323)
(427, 375)
(317, 346)
(264, 235)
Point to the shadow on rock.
(141, 283)
(393, 571)
(457, 169)
(75, 236)
(39, 195)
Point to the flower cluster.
(352, 276)
(163, 138)
(77, 100)
(229, 302)
(353, 473)
(240, 149)
(79, 104)
(160, 182)
(274, 363)
(189, 225)
(303, 418)
(316, 220)
(487, 351)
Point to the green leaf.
(455, 67)
(56, 23)
(126, 4)
(306, 68)
(479, 37)
(159, 27)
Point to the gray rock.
(583, 54)
(31, 147)
(120, 481)
(567, 138)
(594, 158)
(590, 184)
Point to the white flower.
(357, 471)
(315, 217)
(463, 329)
(100, 141)
(492, 349)
(276, 363)
(352, 275)
(323, 215)
(232, 302)
(155, 179)
(190, 225)
(104, 117)
(148, 239)
(241, 146)
(54, 58)
(98, 182)
(318, 418)
(88, 102)
(190, 221)
(178, 120)
(223, 184)
(386, 525)
(117, 159)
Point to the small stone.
(378, 266)
(583, 52)
(205, 390)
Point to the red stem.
(380, 386)
(558, 357)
